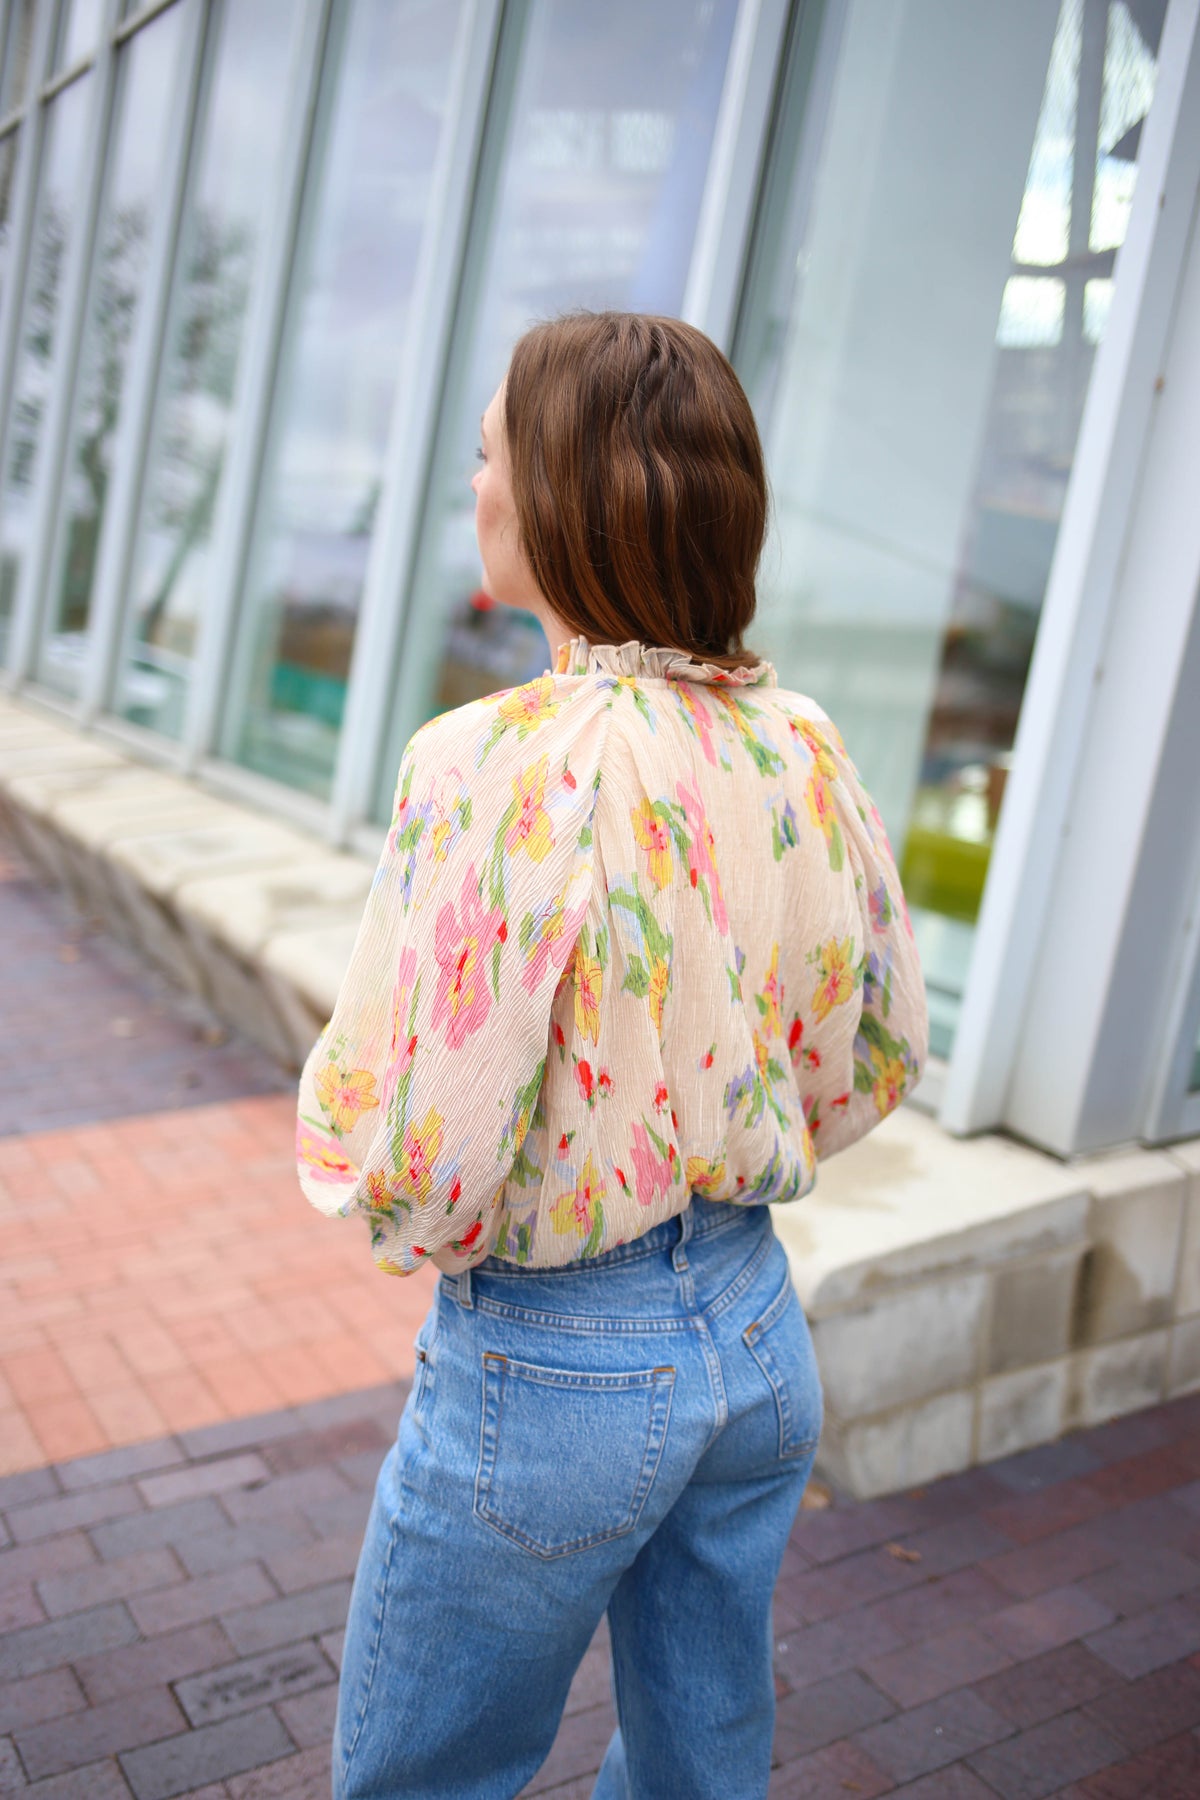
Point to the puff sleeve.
(417, 1096)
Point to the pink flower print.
(698, 716)
(323, 1156)
(701, 854)
(402, 1047)
(652, 1173)
(461, 946)
(547, 937)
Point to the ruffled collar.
(642, 662)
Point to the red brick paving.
(171, 1604)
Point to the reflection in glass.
(345, 338)
(923, 369)
(171, 573)
(78, 31)
(603, 175)
(145, 96)
(8, 158)
(62, 168)
(17, 51)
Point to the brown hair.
(637, 475)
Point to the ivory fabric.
(635, 933)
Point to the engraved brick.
(210, 1754)
(255, 1681)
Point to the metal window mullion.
(416, 410)
(115, 548)
(722, 238)
(32, 596)
(238, 492)
(24, 213)
(1078, 605)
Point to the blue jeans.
(631, 1434)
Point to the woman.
(635, 956)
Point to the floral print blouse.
(635, 934)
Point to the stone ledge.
(968, 1298)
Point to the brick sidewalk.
(172, 1605)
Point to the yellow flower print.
(762, 1051)
(530, 829)
(822, 755)
(529, 706)
(772, 1022)
(888, 1085)
(660, 981)
(589, 981)
(704, 1173)
(575, 1211)
(379, 1191)
(421, 1146)
(345, 1096)
(836, 983)
(653, 834)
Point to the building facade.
(260, 267)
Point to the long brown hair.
(637, 475)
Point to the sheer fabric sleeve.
(891, 1042)
(417, 1096)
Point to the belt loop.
(464, 1290)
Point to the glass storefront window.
(365, 214)
(193, 420)
(56, 222)
(920, 351)
(78, 31)
(17, 49)
(146, 96)
(8, 158)
(603, 173)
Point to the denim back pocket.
(567, 1458)
(780, 1344)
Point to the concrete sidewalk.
(202, 1376)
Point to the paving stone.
(1151, 1639)
(99, 1781)
(166, 1658)
(303, 1777)
(12, 1776)
(344, 1438)
(310, 1717)
(26, 1486)
(341, 1516)
(277, 1539)
(287, 1621)
(212, 1753)
(1051, 1562)
(956, 1783)
(836, 1772)
(19, 1605)
(826, 1711)
(302, 1492)
(204, 1598)
(46, 1518)
(922, 1672)
(254, 1681)
(254, 1432)
(1148, 1711)
(1056, 1617)
(197, 1479)
(118, 1465)
(39, 1697)
(1032, 1470)
(1045, 1759)
(85, 1737)
(315, 1564)
(49, 1556)
(115, 1580)
(172, 1525)
(1144, 1578)
(967, 1597)
(1170, 1771)
(333, 1643)
(60, 1641)
(867, 1575)
(929, 1736)
(812, 1653)
(577, 1752)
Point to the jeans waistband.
(701, 1218)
